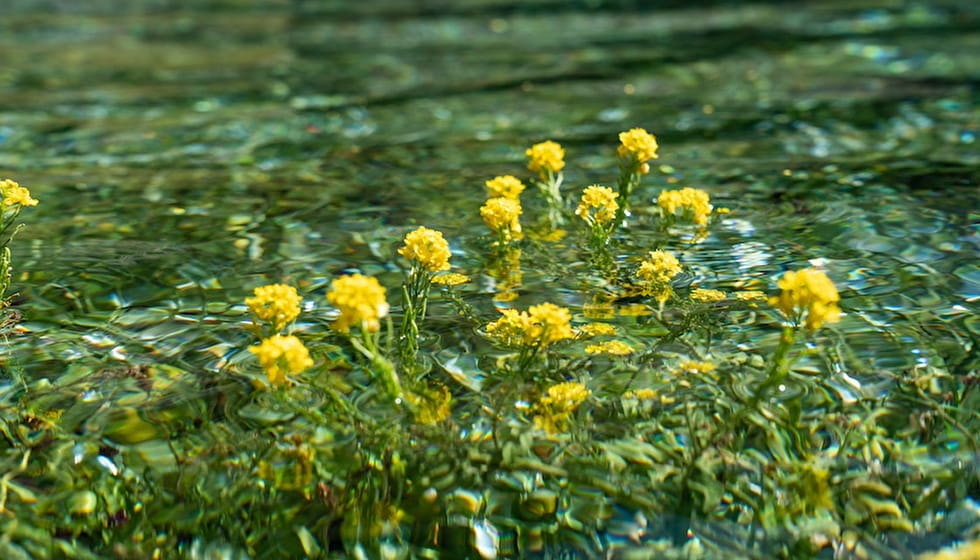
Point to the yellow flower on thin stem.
(429, 253)
(555, 408)
(598, 208)
(502, 215)
(636, 147)
(428, 248)
(506, 186)
(533, 330)
(547, 159)
(14, 194)
(281, 356)
(656, 273)
(360, 300)
(693, 204)
(809, 296)
(276, 304)
(707, 296)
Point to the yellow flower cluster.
(694, 201)
(659, 268)
(692, 366)
(450, 279)
(590, 330)
(281, 355)
(613, 347)
(428, 248)
(545, 157)
(506, 186)
(556, 407)
(810, 293)
(541, 325)
(361, 301)
(13, 193)
(502, 215)
(639, 144)
(600, 199)
(277, 304)
(750, 295)
(707, 296)
(641, 394)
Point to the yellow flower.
(659, 268)
(451, 279)
(432, 405)
(810, 293)
(602, 199)
(428, 248)
(692, 366)
(361, 301)
(281, 355)
(598, 310)
(502, 215)
(546, 157)
(750, 295)
(541, 325)
(13, 193)
(556, 407)
(693, 201)
(641, 394)
(639, 144)
(596, 329)
(969, 550)
(276, 303)
(707, 296)
(613, 347)
(506, 186)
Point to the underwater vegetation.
(622, 420)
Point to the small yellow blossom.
(13, 193)
(638, 144)
(555, 408)
(502, 215)
(361, 301)
(600, 199)
(432, 405)
(750, 295)
(545, 157)
(278, 304)
(723, 210)
(506, 186)
(707, 296)
(810, 293)
(281, 355)
(692, 366)
(428, 248)
(613, 347)
(659, 269)
(634, 310)
(541, 325)
(450, 279)
(590, 330)
(641, 394)
(693, 202)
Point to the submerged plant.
(281, 356)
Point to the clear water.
(186, 154)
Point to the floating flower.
(707, 296)
(428, 248)
(555, 408)
(639, 144)
(541, 325)
(502, 215)
(13, 193)
(596, 329)
(660, 267)
(277, 304)
(545, 157)
(613, 347)
(281, 355)
(450, 279)
(693, 202)
(598, 205)
(361, 301)
(506, 186)
(808, 294)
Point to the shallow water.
(184, 155)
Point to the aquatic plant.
(13, 198)
(547, 159)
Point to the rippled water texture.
(184, 155)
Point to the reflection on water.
(185, 155)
